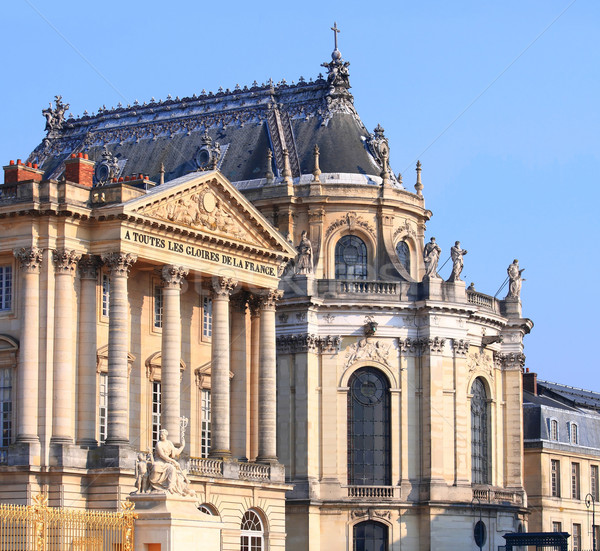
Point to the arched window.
(370, 536)
(368, 429)
(403, 253)
(553, 429)
(479, 434)
(252, 538)
(350, 258)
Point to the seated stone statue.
(165, 473)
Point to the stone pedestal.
(169, 523)
(511, 307)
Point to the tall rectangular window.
(553, 429)
(574, 433)
(5, 288)
(594, 482)
(105, 295)
(207, 317)
(156, 410)
(102, 406)
(5, 406)
(205, 424)
(576, 541)
(575, 480)
(556, 527)
(158, 306)
(555, 477)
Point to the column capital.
(223, 286)
(173, 276)
(88, 266)
(30, 259)
(269, 298)
(254, 303)
(119, 264)
(460, 347)
(509, 360)
(65, 260)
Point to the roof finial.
(419, 185)
(287, 171)
(335, 33)
(162, 173)
(317, 170)
(269, 175)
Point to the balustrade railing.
(485, 301)
(254, 471)
(206, 467)
(359, 287)
(371, 492)
(491, 495)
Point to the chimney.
(19, 172)
(530, 382)
(80, 170)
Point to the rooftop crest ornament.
(55, 117)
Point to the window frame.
(553, 429)
(104, 295)
(156, 404)
(576, 537)
(7, 409)
(4, 280)
(480, 445)
(594, 480)
(252, 540)
(407, 257)
(205, 421)
(573, 433)
(102, 406)
(575, 481)
(373, 523)
(338, 255)
(157, 306)
(383, 434)
(555, 478)
(206, 305)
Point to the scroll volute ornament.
(30, 258)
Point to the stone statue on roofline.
(457, 261)
(163, 473)
(431, 257)
(514, 279)
(55, 117)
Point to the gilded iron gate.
(38, 527)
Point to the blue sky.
(499, 101)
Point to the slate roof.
(566, 405)
(245, 122)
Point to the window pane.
(350, 258)
(479, 434)
(103, 406)
(158, 306)
(370, 536)
(555, 477)
(156, 411)
(205, 424)
(368, 429)
(403, 253)
(5, 406)
(5, 288)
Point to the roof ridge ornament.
(55, 117)
(338, 76)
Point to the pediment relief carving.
(404, 230)
(201, 209)
(351, 220)
(477, 361)
(367, 349)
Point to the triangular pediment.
(208, 204)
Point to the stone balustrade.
(373, 492)
(371, 289)
(484, 301)
(497, 495)
(219, 468)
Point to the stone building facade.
(397, 398)
(561, 460)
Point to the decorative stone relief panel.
(308, 342)
(351, 220)
(367, 349)
(202, 210)
(477, 361)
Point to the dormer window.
(573, 433)
(553, 429)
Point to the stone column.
(267, 389)
(63, 390)
(172, 278)
(88, 345)
(220, 392)
(30, 260)
(254, 305)
(119, 265)
(240, 383)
